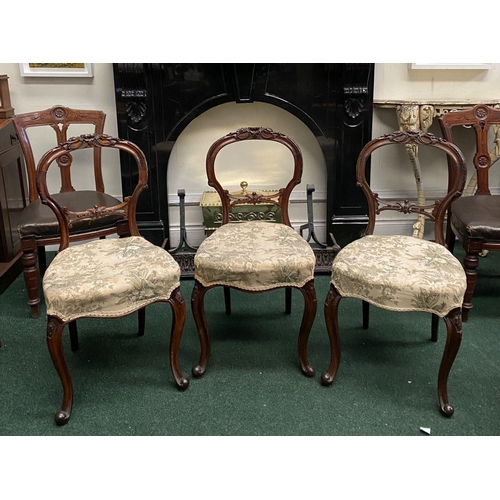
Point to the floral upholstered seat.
(399, 272)
(410, 274)
(108, 278)
(254, 256)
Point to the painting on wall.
(451, 65)
(56, 69)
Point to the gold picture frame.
(66, 70)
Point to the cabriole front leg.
(310, 307)
(198, 310)
(453, 322)
(332, 327)
(55, 329)
(179, 316)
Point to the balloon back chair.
(403, 273)
(38, 226)
(254, 256)
(475, 218)
(105, 278)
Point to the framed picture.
(451, 65)
(57, 69)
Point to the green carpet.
(386, 384)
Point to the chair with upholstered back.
(254, 256)
(474, 218)
(37, 225)
(398, 272)
(105, 278)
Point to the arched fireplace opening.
(264, 165)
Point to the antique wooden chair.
(475, 220)
(38, 226)
(403, 273)
(254, 256)
(105, 278)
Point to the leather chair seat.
(477, 216)
(39, 220)
(400, 273)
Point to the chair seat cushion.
(477, 216)
(254, 256)
(40, 221)
(400, 273)
(108, 278)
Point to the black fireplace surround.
(156, 101)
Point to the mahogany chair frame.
(480, 118)
(229, 200)
(436, 213)
(60, 119)
(126, 227)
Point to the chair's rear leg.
(310, 307)
(471, 262)
(30, 272)
(366, 314)
(227, 299)
(435, 327)
(288, 300)
(200, 320)
(450, 235)
(179, 316)
(454, 337)
(42, 260)
(141, 321)
(332, 327)
(55, 329)
(73, 336)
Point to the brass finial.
(243, 186)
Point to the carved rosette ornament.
(481, 113)
(59, 113)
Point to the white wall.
(392, 81)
